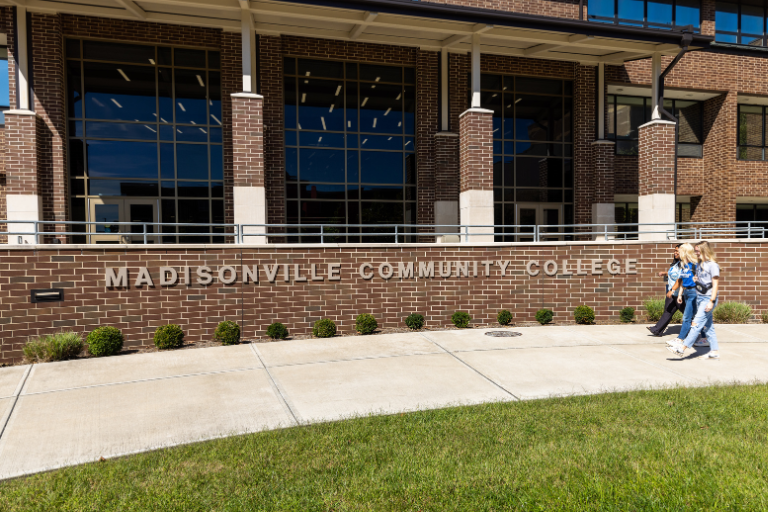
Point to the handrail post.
(145, 233)
(322, 231)
(536, 233)
(37, 231)
(749, 229)
(237, 234)
(466, 234)
(396, 238)
(605, 231)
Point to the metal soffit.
(427, 25)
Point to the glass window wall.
(145, 122)
(663, 14)
(349, 146)
(740, 23)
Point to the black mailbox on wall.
(49, 295)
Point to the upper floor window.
(752, 132)
(627, 113)
(5, 97)
(662, 14)
(740, 23)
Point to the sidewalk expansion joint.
(278, 388)
(351, 359)
(460, 360)
(19, 388)
(721, 326)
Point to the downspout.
(684, 43)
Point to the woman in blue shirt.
(688, 261)
(671, 306)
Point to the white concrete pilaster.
(475, 71)
(25, 207)
(250, 207)
(655, 74)
(248, 31)
(476, 208)
(656, 209)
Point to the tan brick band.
(485, 284)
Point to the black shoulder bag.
(702, 288)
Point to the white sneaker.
(712, 356)
(701, 343)
(677, 349)
(674, 341)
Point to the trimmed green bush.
(461, 319)
(544, 316)
(105, 341)
(764, 316)
(414, 321)
(504, 317)
(365, 323)
(584, 315)
(654, 308)
(732, 313)
(627, 314)
(277, 331)
(169, 336)
(56, 347)
(227, 332)
(324, 328)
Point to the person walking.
(707, 293)
(671, 306)
(686, 299)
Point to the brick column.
(447, 182)
(656, 169)
(22, 196)
(248, 192)
(603, 207)
(476, 171)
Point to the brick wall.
(247, 142)
(21, 154)
(584, 176)
(656, 161)
(427, 108)
(603, 163)
(446, 168)
(138, 311)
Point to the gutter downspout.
(684, 43)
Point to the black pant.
(670, 308)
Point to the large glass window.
(627, 113)
(349, 145)
(755, 213)
(5, 96)
(752, 141)
(145, 121)
(532, 146)
(665, 14)
(740, 23)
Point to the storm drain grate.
(503, 334)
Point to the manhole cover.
(502, 334)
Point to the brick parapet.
(138, 311)
(476, 150)
(656, 158)
(247, 140)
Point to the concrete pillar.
(655, 74)
(656, 165)
(248, 31)
(249, 194)
(21, 192)
(476, 172)
(603, 207)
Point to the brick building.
(379, 111)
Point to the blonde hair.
(707, 254)
(687, 254)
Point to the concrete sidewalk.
(59, 414)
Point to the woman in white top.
(707, 281)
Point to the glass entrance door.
(106, 212)
(530, 215)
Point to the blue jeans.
(702, 322)
(690, 296)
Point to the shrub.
(105, 341)
(677, 318)
(365, 323)
(56, 347)
(504, 317)
(324, 328)
(461, 319)
(415, 321)
(227, 332)
(732, 313)
(169, 336)
(627, 314)
(544, 316)
(764, 316)
(277, 331)
(654, 308)
(584, 315)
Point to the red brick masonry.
(340, 291)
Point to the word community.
(314, 273)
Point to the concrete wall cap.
(19, 112)
(603, 141)
(247, 95)
(656, 121)
(476, 111)
(446, 134)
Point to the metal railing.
(34, 231)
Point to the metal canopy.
(426, 25)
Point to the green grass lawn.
(680, 449)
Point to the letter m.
(427, 269)
(405, 271)
(119, 280)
